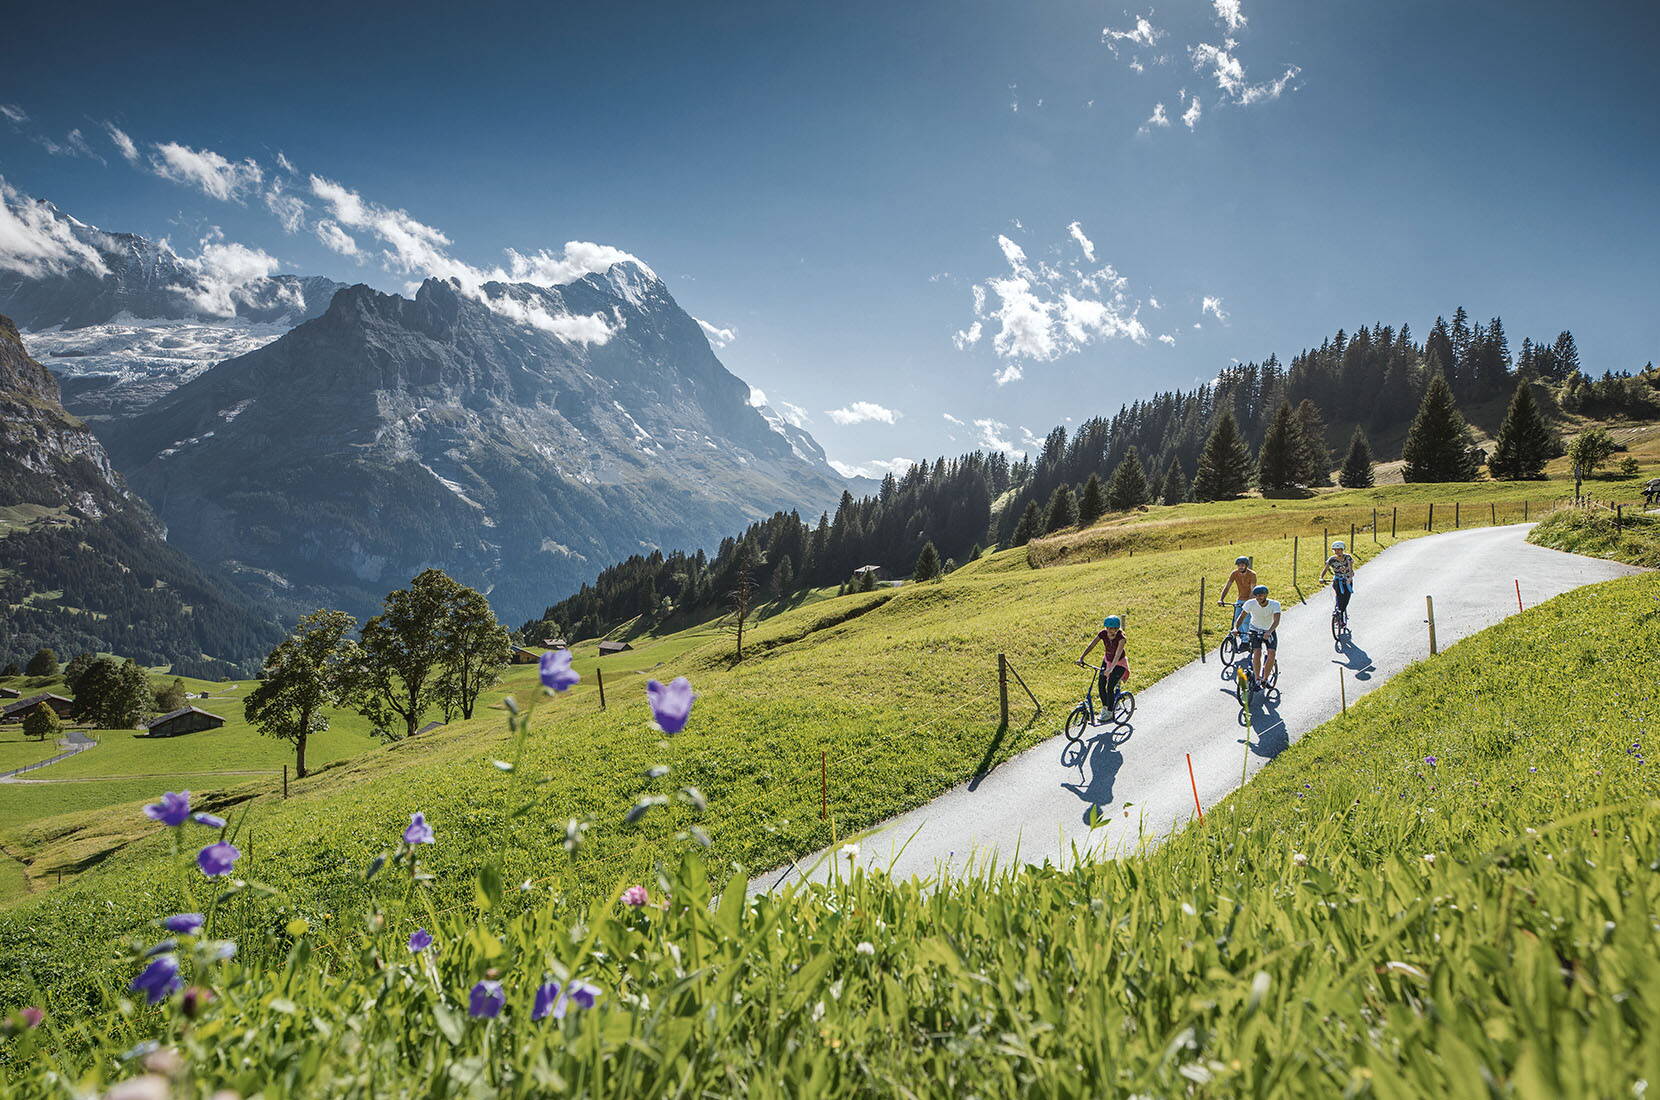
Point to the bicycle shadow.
(1355, 659)
(1269, 736)
(1098, 771)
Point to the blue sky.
(831, 183)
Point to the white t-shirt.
(1261, 615)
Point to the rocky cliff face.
(83, 564)
(392, 434)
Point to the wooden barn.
(15, 712)
(555, 643)
(9, 693)
(608, 648)
(523, 656)
(183, 720)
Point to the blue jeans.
(1344, 590)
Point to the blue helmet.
(1242, 560)
(1260, 590)
(1112, 622)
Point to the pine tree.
(1279, 461)
(1357, 467)
(1030, 525)
(927, 564)
(1174, 489)
(783, 577)
(1128, 488)
(1313, 457)
(1063, 510)
(1225, 467)
(1438, 445)
(1565, 356)
(1093, 504)
(43, 663)
(1525, 441)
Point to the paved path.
(1033, 808)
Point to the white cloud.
(74, 144)
(335, 238)
(285, 164)
(1228, 13)
(1191, 115)
(1088, 246)
(216, 175)
(718, 337)
(949, 419)
(967, 337)
(1213, 306)
(1157, 118)
(875, 468)
(1166, 338)
(36, 240)
(993, 436)
(860, 412)
(1154, 302)
(16, 115)
(1229, 73)
(289, 209)
(792, 414)
(577, 328)
(1009, 373)
(1143, 33)
(225, 273)
(127, 146)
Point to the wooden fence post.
(1494, 508)
(1457, 519)
(1393, 514)
(1294, 539)
(1430, 524)
(1003, 687)
(1342, 689)
(823, 785)
(1429, 603)
(599, 678)
(1619, 515)
(1524, 511)
(285, 780)
(1351, 538)
(1374, 526)
(1201, 619)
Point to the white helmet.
(1338, 545)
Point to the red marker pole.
(1518, 594)
(1195, 784)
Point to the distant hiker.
(1651, 491)
(1263, 615)
(1115, 659)
(1242, 580)
(1341, 566)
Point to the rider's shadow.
(1269, 737)
(1355, 659)
(1099, 770)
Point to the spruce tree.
(1357, 467)
(1093, 504)
(1063, 510)
(1438, 445)
(1174, 489)
(1128, 488)
(1225, 466)
(927, 563)
(1313, 457)
(1278, 464)
(1525, 441)
(1030, 525)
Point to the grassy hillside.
(1448, 891)
(1633, 538)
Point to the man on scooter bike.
(1263, 616)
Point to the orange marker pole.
(1195, 785)
(1518, 595)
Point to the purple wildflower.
(31, 1015)
(420, 940)
(159, 980)
(1431, 761)
(486, 1000)
(218, 859)
(419, 832)
(212, 821)
(557, 672)
(188, 923)
(671, 703)
(173, 808)
(635, 896)
(553, 1001)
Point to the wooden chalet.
(183, 720)
(16, 711)
(523, 656)
(555, 643)
(9, 693)
(608, 648)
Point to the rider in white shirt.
(1261, 616)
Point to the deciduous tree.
(314, 668)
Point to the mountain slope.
(124, 319)
(391, 434)
(83, 563)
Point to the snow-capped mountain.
(516, 435)
(122, 319)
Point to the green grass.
(17, 751)
(1633, 538)
(1358, 921)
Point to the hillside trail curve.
(1033, 809)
